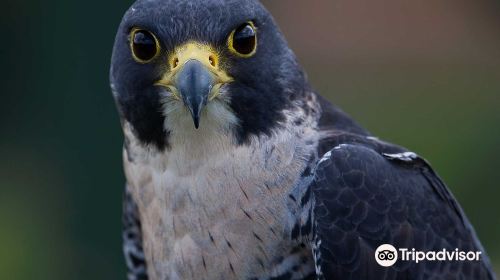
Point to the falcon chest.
(211, 209)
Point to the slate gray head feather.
(257, 85)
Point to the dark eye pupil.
(144, 45)
(244, 39)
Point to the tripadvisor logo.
(387, 255)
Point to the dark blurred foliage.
(424, 74)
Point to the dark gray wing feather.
(367, 193)
(132, 240)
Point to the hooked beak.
(194, 77)
(194, 83)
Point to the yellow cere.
(198, 51)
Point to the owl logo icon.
(386, 255)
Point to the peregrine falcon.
(237, 169)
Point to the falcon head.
(198, 65)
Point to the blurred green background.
(424, 74)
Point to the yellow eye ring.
(242, 41)
(144, 45)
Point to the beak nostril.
(211, 59)
(175, 62)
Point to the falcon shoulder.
(365, 193)
(132, 239)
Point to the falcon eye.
(243, 40)
(144, 45)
